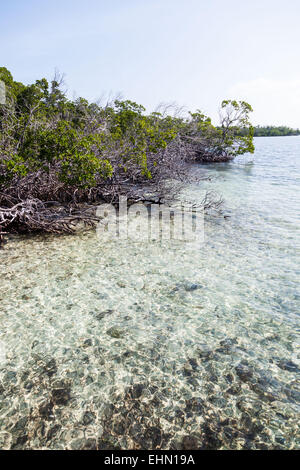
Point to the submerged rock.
(292, 391)
(190, 287)
(5, 440)
(78, 444)
(227, 346)
(61, 394)
(152, 438)
(234, 390)
(10, 376)
(89, 380)
(88, 418)
(210, 439)
(194, 405)
(204, 352)
(244, 372)
(53, 431)
(19, 433)
(50, 368)
(136, 391)
(190, 443)
(45, 410)
(28, 385)
(107, 444)
(90, 444)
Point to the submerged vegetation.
(57, 152)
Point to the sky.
(192, 52)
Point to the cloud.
(274, 101)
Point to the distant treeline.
(273, 131)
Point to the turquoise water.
(171, 344)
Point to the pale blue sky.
(193, 52)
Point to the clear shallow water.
(147, 345)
